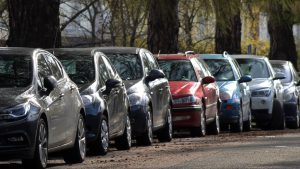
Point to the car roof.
(282, 62)
(127, 50)
(212, 56)
(248, 57)
(17, 50)
(77, 51)
(175, 56)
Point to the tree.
(228, 26)
(163, 26)
(280, 27)
(34, 23)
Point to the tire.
(201, 130)
(248, 123)
(166, 134)
(78, 152)
(224, 126)
(146, 138)
(124, 142)
(214, 127)
(278, 118)
(100, 147)
(294, 124)
(40, 158)
(238, 127)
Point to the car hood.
(11, 96)
(260, 83)
(227, 86)
(183, 88)
(134, 86)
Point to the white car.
(266, 91)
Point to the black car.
(40, 109)
(291, 86)
(104, 96)
(148, 92)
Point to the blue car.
(234, 91)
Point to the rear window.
(178, 70)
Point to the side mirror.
(155, 74)
(279, 76)
(245, 78)
(112, 83)
(50, 83)
(208, 80)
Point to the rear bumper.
(185, 117)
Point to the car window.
(284, 69)
(257, 68)
(178, 70)
(43, 69)
(220, 69)
(15, 70)
(151, 61)
(204, 65)
(202, 69)
(54, 67)
(237, 67)
(80, 68)
(128, 66)
(109, 68)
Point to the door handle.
(61, 95)
(72, 88)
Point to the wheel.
(248, 123)
(224, 126)
(278, 118)
(166, 134)
(238, 127)
(294, 124)
(146, 138)
(214, 127)
(101, 145)
(201, 130)
(40, 158)
(124, 142)
(78, 152)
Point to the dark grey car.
(291, 99)
(148, 92)
(40, 109)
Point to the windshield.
(15, 71)
(178, 70)
(257, 68)
(220, 69)
(128, 66)
(284, 69)
(81, 69)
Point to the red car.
(195, 93)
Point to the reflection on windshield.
(15, 71)
(257, 68)
(220, 69)
(128, 66)
(284, 69)
(80, 69)
(178, 70)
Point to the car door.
(120, 96)
(109, 96)
(163, 90)
(54, 104)
(153, 90)
(68, 91)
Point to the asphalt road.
(255, 150)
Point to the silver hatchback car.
(266, 91)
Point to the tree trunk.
(163, 26)
(34, 23)
(280, 27)
(228, 26)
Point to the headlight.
(188, 99)
(288, 94)
(227, 95)
(16, 112)
(87, 99)
(261, 93)
(135, 99)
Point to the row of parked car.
(80, 99)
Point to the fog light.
(15, 139)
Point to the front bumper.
(17, 139)
(185, 117)
(261, 108)
(230, 112)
